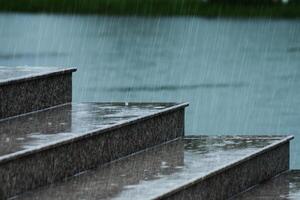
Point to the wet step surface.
(9, 75)
(286, 186)
(47, 146)
(161, 170)
(60, 124)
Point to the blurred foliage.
(210, 8)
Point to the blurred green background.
(209, 8)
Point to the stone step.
(42, 147)
(196, 167)
(27, 89)
(285, 186)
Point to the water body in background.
(241, 76)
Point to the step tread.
(36, 131)
(160, 170)
(11, 75)
(284, 186)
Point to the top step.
(27, 89)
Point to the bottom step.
(190, 168)
(285, 186)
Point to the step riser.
(236, 179)
(54, 164)
(32, 95)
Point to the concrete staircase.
(51, 148)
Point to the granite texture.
(41, 165)
(234, 179)
(32, 132)
(286, 186)
(172, 167)
(32, 92)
